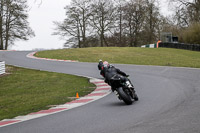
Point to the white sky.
(41, 21)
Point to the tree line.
(110, 23)
(13, 22)
(91, 23)
(126, 22)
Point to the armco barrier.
(2, 67)
(194, 47)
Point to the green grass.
(129, 55)
(24, 91)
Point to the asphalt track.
(169, 101)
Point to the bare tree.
(76, 23)
(82, 7)
(120, 13)
(102, 18)
(187, 11)
(13, 22)
(152, 19)
(1, 23)
(39, 2)
(135, 14)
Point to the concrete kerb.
(31, 55)
(95, 95)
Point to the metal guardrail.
(194, 47)
(2, 67)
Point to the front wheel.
(135, 97)
(125, 97)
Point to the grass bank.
(23, 91)
(128, 55)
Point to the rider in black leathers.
(108, 71)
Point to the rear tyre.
(125, 97)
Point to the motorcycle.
(123, 89)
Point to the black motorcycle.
(123, 89)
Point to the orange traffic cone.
(77, 96)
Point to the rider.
(108, 71)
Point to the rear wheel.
(125, 97)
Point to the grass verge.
(129, 55)
(23, 91)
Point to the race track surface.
(169, 101)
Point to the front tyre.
(135, 97)
(125, 97)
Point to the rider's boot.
(117, 94)
(113, 89)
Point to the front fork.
(130, 88)
(129, 85)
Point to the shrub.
(191, 34)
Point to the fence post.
(2, 67)
(158, 44)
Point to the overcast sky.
(41, 21)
